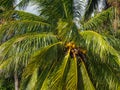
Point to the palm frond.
(98, 45)
(106, 76)
(45, 64)
(23, 47)
(99, 19)
(67, 32)
(58, 78)
(57, 9)
(33, 80)
(113, 41)
(19, 27)
(7, 4)
(87, 83)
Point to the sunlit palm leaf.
(87, 83)
(23, 46)
(45, 64)
(97, 45)
(60, 75)
(68, 31)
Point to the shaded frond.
(57, 9)
(99, 20)
(7, 4)
(19, 27)
(113, 41)
(103, 75)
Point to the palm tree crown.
(49, 52)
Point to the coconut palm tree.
(7, 7)
(52, 53)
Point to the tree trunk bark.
(16, 81)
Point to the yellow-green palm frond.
(44, 59)
(67, 32)
(98, 45)
(19, 49)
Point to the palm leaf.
(106, 76)
(45, 64)
(57, 9)
(97, 45)
(8, 4)
(19, 27)
(58, 76)
(67, 31)
(72, 80)
(33, 80)
(99, 19)
(87, 83)
(23, 46)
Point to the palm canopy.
(55, 54)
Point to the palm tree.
(57, 55)
(8, 7)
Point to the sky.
(31, 8)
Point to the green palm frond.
(98, 45)
(45, 64)
(8, 4)
(99, 19)
(49, 52)
(23, 47)
(33, 80)
(59, 76)
(67, 31)
(19, 27)
(113, 41)
(87, 83)
(57, 9)
(106, 76)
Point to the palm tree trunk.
(16, 81)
